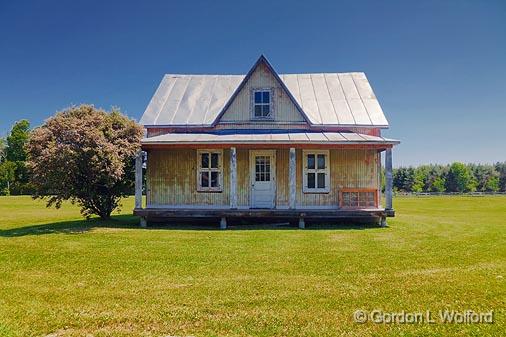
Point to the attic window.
(262, 103)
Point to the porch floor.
(161, 213)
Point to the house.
(294, 146)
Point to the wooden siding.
(240, 109)
(243, 180)
(171, 178)
(348, 169)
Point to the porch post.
(233, 178)
(291, 178)
(138, 180)
(389, 179)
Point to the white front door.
(263, 178)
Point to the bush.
(85, 155)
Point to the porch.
(159, 214)
(268, 175)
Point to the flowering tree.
(85, 155)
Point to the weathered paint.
(233, 177)
(388, 179)
(348, 169)
(292, 178)
(240, 108)
(138, 179)
(243, 179)
(171, 178)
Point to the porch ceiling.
(289, 138)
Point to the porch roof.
(287, 138)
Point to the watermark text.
(445, 316)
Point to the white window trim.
(271, 104)
(326, 170)
(200, 188)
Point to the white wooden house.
(293, 146)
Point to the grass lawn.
(64, 276)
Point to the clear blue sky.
(437, 67)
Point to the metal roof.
(270, 138)
(336, 98)
(333, 99)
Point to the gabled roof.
(324, 99)
(261, 60)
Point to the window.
(262, 168)
(262, 103)
(358, 197)
(210, 171)
(316, 171)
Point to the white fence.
(423, 194)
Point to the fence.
(422, 194)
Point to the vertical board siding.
(282, 176)
(240, 109)
(243, 182)
(172, 178)
(348, 169)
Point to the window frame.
(316, 170)
(374, 191)
(271, 104)
(219, 169)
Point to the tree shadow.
(73, 226)
(130, 221)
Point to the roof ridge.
(279, 74)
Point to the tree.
(85, 155)
(15, 152)
(438, 185)
(492, 184)
(3, 148)
(17, 140)
(460, 179)
(436, 177)
(501, 170)
(408, 179)
(486, 176)
(403, 179)
(419, 178)
(7, 170)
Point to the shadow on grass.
(130, 221)
(258, 224)
(72, 227)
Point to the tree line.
(455, 177)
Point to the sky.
(438, 68)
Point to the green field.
(64, 276)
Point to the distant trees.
(457, 177)
(460, 179)
(85, 155)
(14, 177)
(500, 168)
(486, 177)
